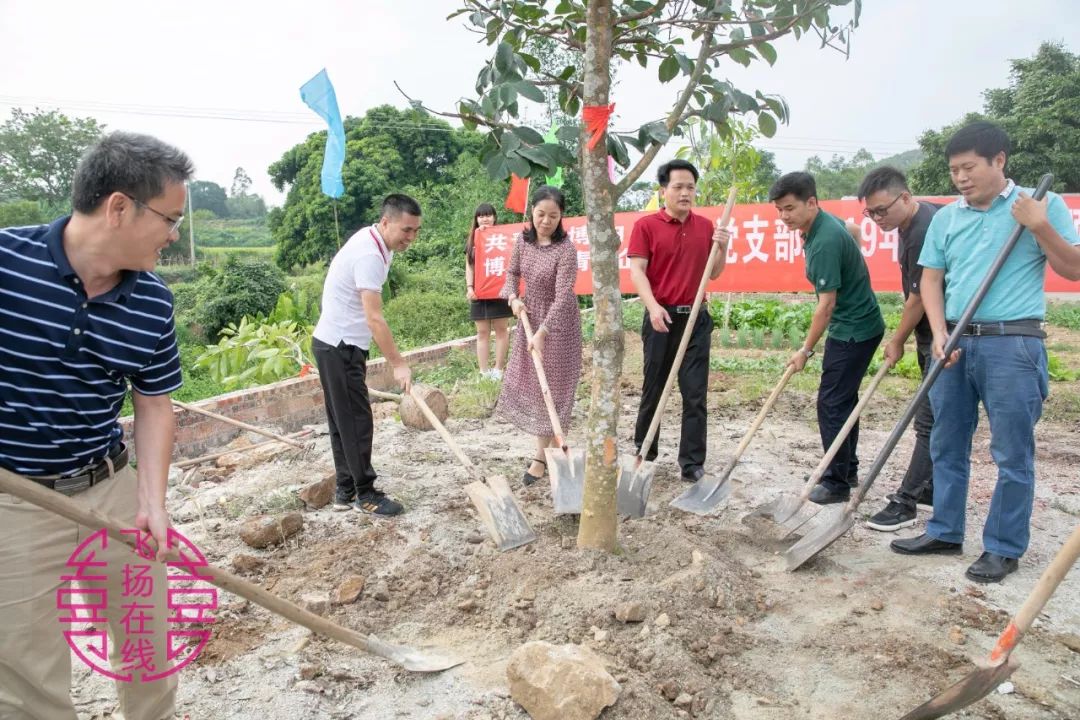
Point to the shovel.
(1000, 665)
(635, 473)
(499, 511)
(783, 510)
(63, 506)
(830, 524)
(566, 467)
(703, 496)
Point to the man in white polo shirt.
(352, 315)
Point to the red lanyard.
(379, 245)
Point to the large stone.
(630, 612)
(266, 530)
(411, 414)
(348, 592)
(560, 682)
(319, 494)
(317, 603)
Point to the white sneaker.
(496, 373)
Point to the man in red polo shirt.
(668, 251)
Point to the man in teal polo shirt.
(848, 308)
(1001, 360)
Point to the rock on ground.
(265, 530)
(560, 682)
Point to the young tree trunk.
(598, 516)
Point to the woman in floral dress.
(546, 260)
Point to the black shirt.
(911, 242)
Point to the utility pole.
(191, 224)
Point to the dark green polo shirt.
(834, 261)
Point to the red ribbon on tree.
(596, 119)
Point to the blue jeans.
(1008, 374)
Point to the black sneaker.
(341, 503)
(375, 503)
(927, 498)
(825, 495)
(894, 517)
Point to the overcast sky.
(221, 79)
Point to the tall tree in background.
(1041, 112)
(206, 195)
(388, 149)
(38, 154)
(687, 41)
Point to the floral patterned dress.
(549, 272)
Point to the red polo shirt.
(676, 251)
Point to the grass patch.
(471, 395)
(1064, 314)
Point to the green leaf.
(568, 133)
(504, 57)
(767, 51)
(669, 68)
(767, 124)
(528, 135)
(497, 167)
(741, 56)
(529, 91)
(518, 165)
(510, 142)
(531, 61)
(537, 156)
(616, 148)
(657, 131)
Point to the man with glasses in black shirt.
(890, 205)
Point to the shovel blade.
(634, 485)
(779, 510)
(834, 522)
(972, 688)
(410, 658)
(500, 513)
(567, 472)
(705, 495)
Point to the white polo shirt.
(362, 264)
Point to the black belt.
(679, 309)
(100, 472)
(1030, 328)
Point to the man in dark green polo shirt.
(847, 308)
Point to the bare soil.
(858, 632)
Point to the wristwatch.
(808, 353)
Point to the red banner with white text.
(764, 254)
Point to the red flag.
(519, 194)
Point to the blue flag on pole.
(318, 94)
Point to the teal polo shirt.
(834, 262)
(964, 241)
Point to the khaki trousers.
(35, 659)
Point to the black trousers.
(919, 478)
(659, 350)
(842, 369)
(343, 374)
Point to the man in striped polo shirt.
(81, 316)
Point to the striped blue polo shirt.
(66, 360)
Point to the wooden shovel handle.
(63, 506)
(822, 466)
(435, 423)
(1044, 588)
(745, 442)
(382, 395)
(538, 361)
(237, 423)
(691, 321)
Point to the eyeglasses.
(880, 212)
(173, 223)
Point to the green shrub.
(240, 289)
(759, 337)
(1066, 315)
(423, 318)
(742, 337)
(22, 212)
(1058, 370)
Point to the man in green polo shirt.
(846, 307)
(1001, 360)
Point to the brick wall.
(287, 405)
